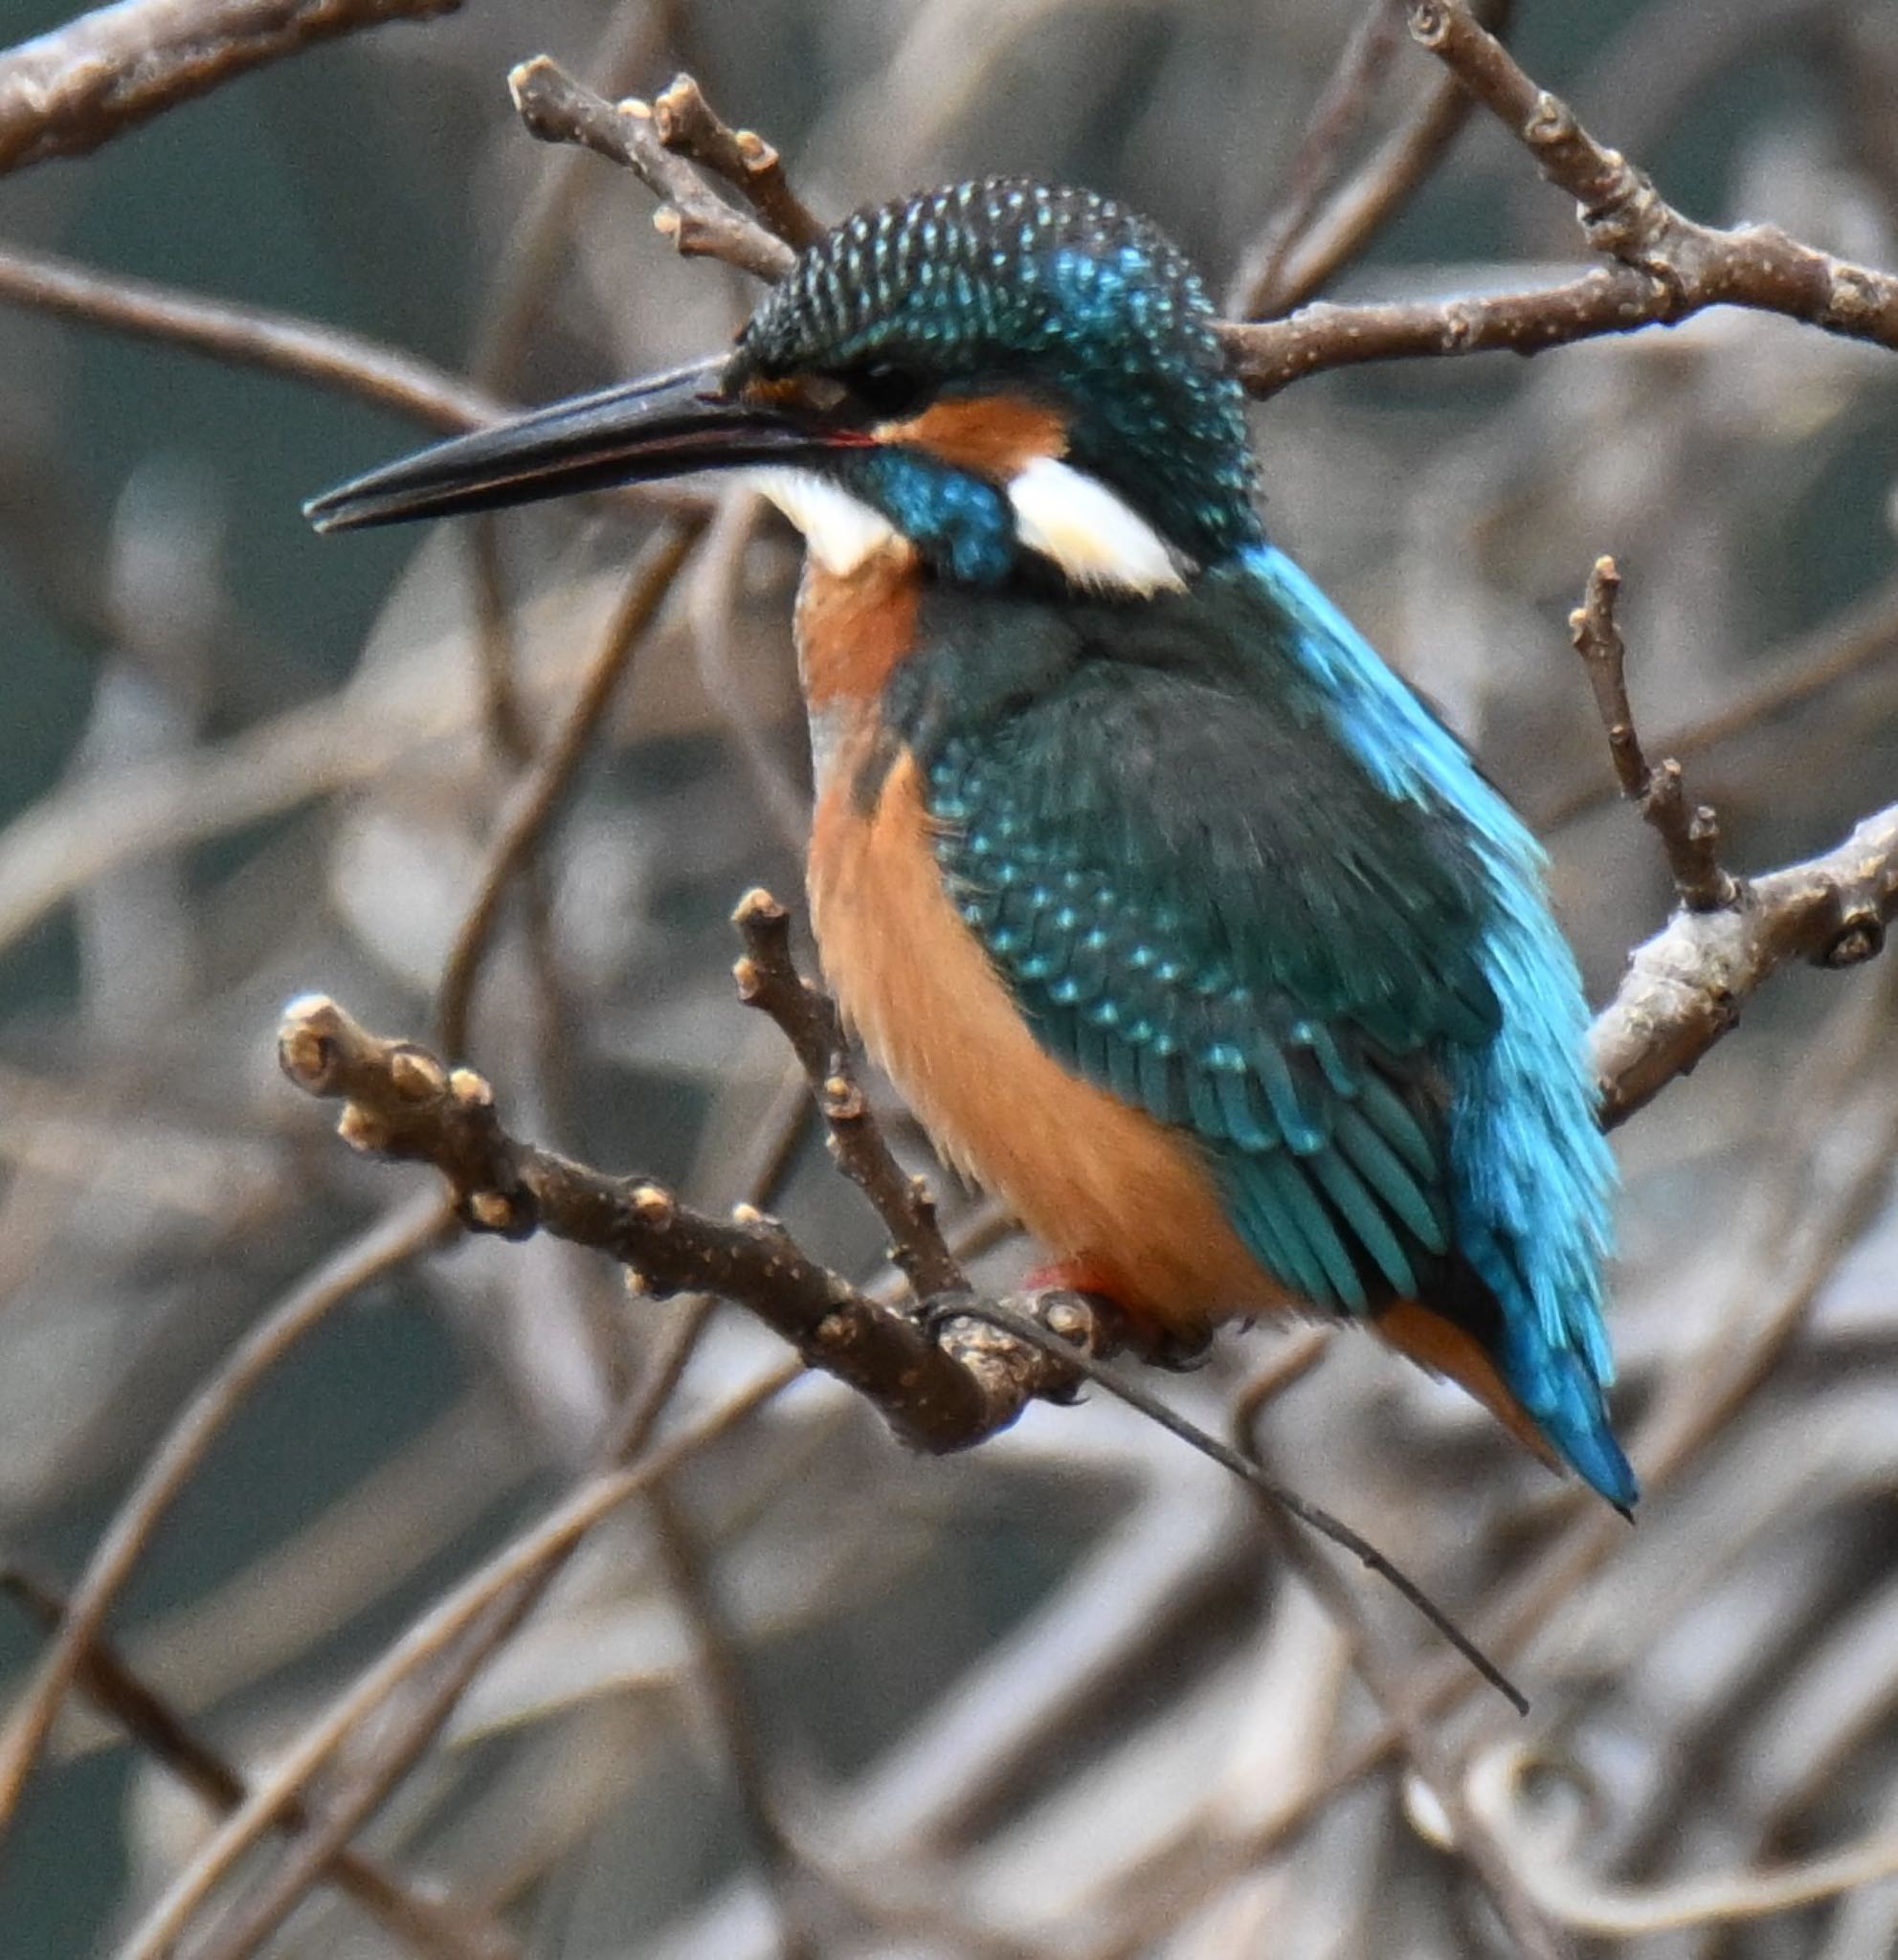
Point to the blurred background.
(1061, 1697)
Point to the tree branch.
(247, 337)
(1691, 838)
(768, 979)
(74, 89)
(1669, 267)
(558, 109)
(431, 1925)
(402, 1102)
(1625, 218)
(689, 127)
(944, 1382)
(1684, 987)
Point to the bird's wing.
(1206, 910)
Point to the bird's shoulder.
(1164, 774)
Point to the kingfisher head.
(1004, 378)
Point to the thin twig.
(1313, 1517)
(1691, 837)
(1838, 651)
(720, 1670)
(425, 1641)
(1341, 229)
(1475, 1842)
(402, 1103)
(537, 796)
(435, 1929)
(689, 127)
(558, 109)
(1625, 218)
(1331, 126)
(246, 337)
(410, 1229)
(768, 979)
(111, 69)
(548, 222)
(1667, 266)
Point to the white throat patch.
(1099, 540)
(840, 532)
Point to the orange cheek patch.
(993, 436)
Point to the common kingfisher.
(1182, 923)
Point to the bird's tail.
(1550, 1402)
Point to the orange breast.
(1106, 1189)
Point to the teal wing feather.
(1234, 872)
(1197, 913)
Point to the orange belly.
(1111, 1193)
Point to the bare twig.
(1430, 1757)
(558, 109)
(406, 1231)
(403, 1104)
(436, 1697)
(1684, 990)
(1839, 650)
(114, 67)
(1335, 232)
(543, 229)
(1272, 354)
(1691, 837)
(1625, 218)
(1361, 207)
(247, 337)
(1313, 1517)
(1331, 126)
(432, 1926)
(768, 979)
(720, 1670)
(537, 796)
(426, 1640)
(1667, 266)
(689, 127)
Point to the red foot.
(1071, 1276)
(1140, 1333)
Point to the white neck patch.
(840, 532)
(1099, 542)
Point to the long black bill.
(665, 425)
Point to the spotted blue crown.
(1005, 282)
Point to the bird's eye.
(888, 390)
